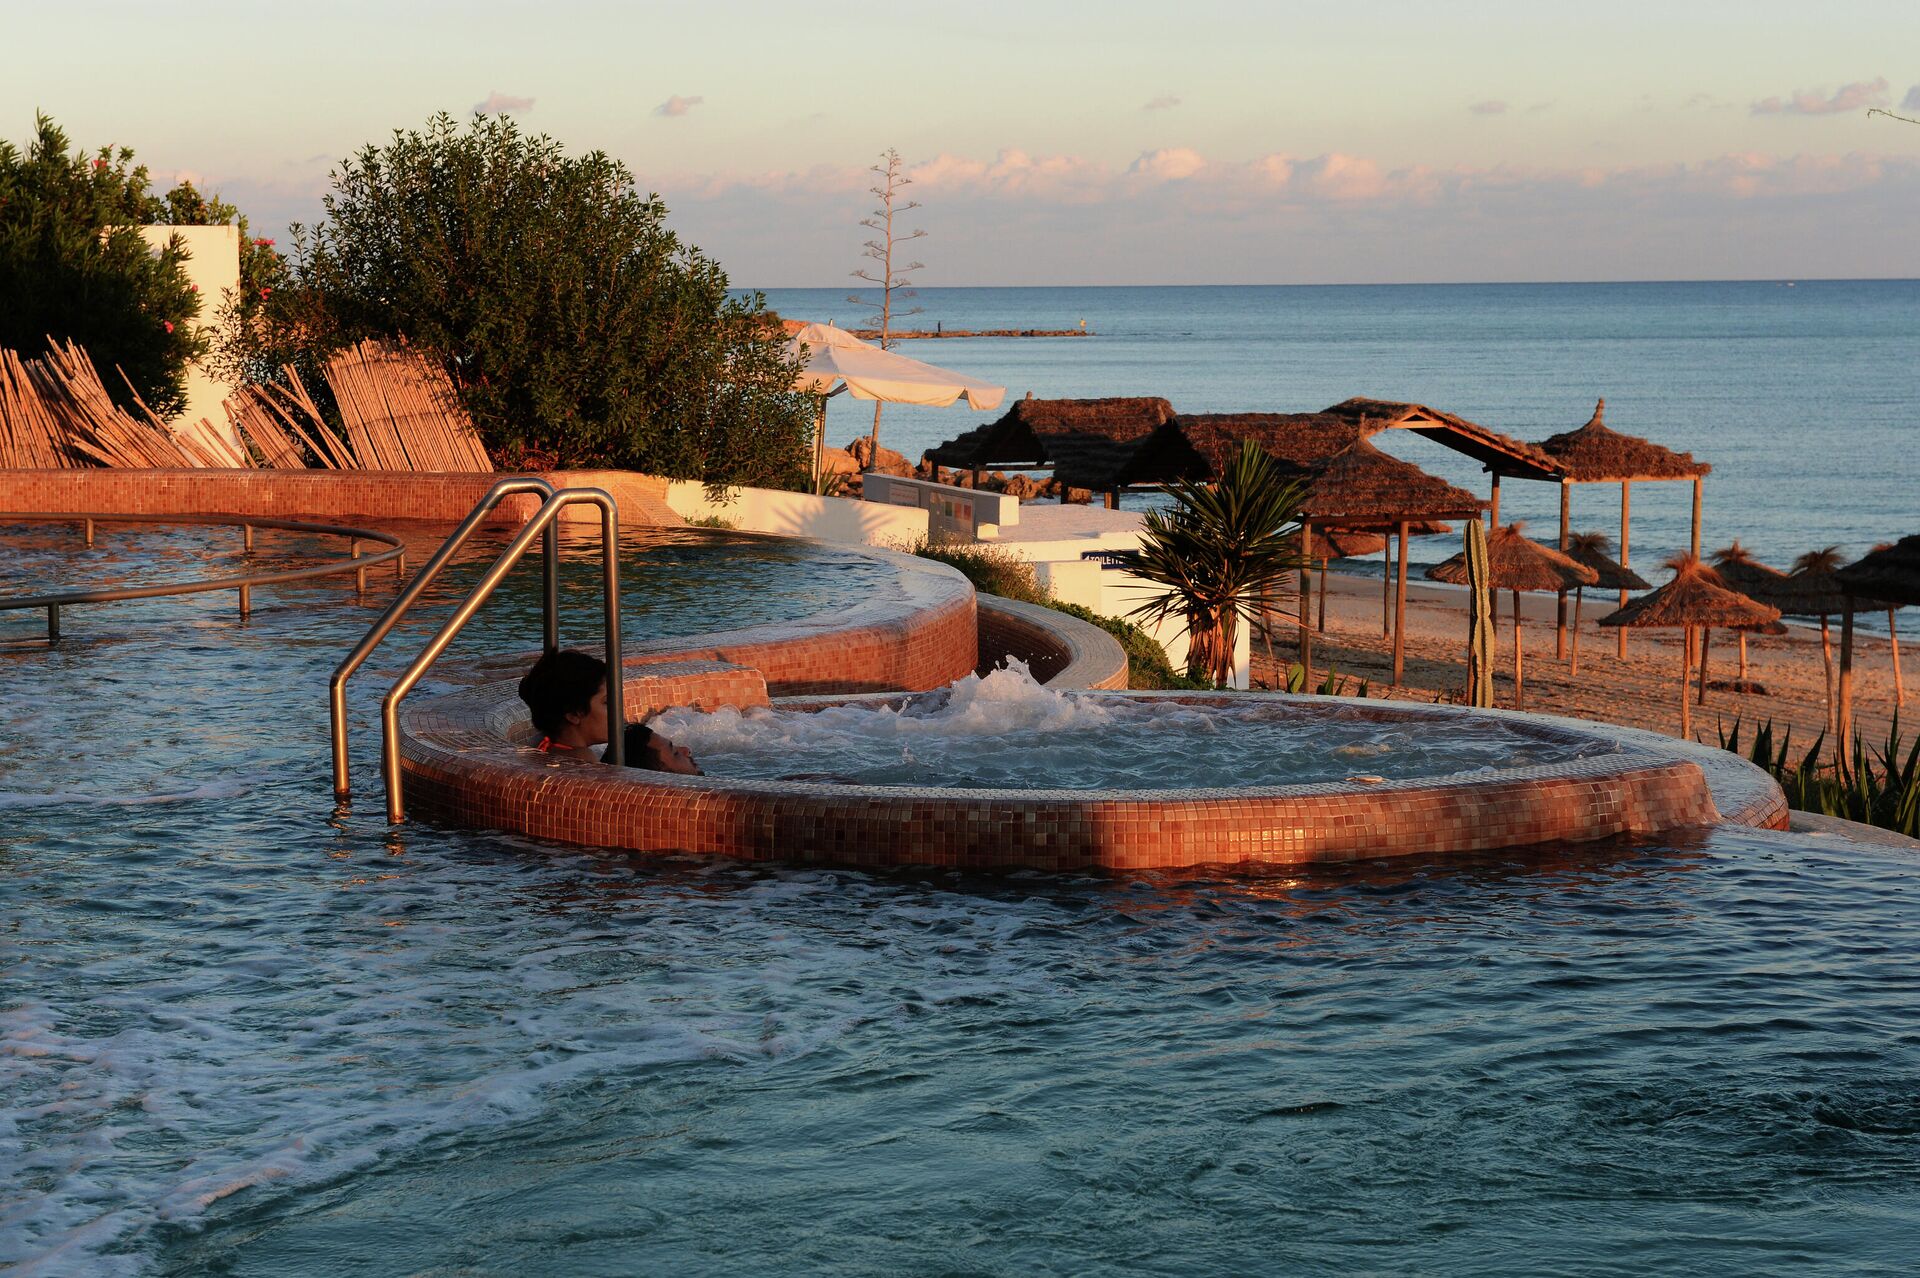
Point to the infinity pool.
(244, 1033)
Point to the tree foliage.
(1220, 554)
(578, 329)
(75, 266)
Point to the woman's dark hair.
(561, 683)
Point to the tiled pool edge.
(464, 764)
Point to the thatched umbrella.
(1597, 454)
(1742, 572)
(1516, 563)
(1340, 543)
(1889, 574)
(1695, 597)
(1593, 550)
(1812, 590)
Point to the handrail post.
(616, 752)
(376, 633)
(550, 589)
(482, 591)
(53, 624)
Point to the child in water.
(566, 696)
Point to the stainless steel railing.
(540, 525)
(243, 584)
(550, 608)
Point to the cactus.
(1480, 623)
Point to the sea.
(1804, 395)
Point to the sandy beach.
(1640, 691)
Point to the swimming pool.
(243, 1031)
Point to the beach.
(1640, 691)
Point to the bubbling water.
(1004, 731)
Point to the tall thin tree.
(891, 278)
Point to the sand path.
(1641, 691)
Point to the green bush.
(577, 328)
(995, 571)
(75, 267)
(1879, 787)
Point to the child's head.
(561, 690)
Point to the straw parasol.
(1595, 453)
(1889, 574)
(1695, 597)
(1517, 563)
(1813, 590)
(1340, 543)
(1593, 550)
(1746, 574)
(1085, 441)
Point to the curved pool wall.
(468, 756)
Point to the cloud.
(1170, 164)
(1165, 102)
(498, 103)
(677, 106)
(1912, 101)
(1492, 106)
(1848, 97)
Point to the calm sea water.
(244, 1033)
(1804, 397)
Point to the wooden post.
(1893, 637)
(1322, 626)
(1697, 482)
(1306, 585)
(247, 542)
(819, 443)
(1686, 668)
(53, 624)
(1743, 656)
(1519, 677)
(1386, 587)
(1113, 498)
(1706, 643)
(1573, 649)
(1566, 517)
(89, 534)
(1826, 656)
(1400, 608)
(1626, 556)
(1845, 717)
(1493, 505)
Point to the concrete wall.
(214, 265)
(953, 513)
(802, 514)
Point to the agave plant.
(1219, 554)
(1875, 787)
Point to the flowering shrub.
(75, 267)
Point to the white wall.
(214, 265)
(802, 514)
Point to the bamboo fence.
(399, 408)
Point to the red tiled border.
(461, 762)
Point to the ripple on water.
(241, 1032)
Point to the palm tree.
(1219, 554)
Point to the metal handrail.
(377, 633)
(541, 522)
(244, 584)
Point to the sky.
(1058, 142)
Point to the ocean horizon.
(1801, 394)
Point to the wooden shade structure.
(1695, 597)
(1597, 454)
(1361, 487)
(1517, 563)
(1083, 441)
(1889, 576)
(1591, 549)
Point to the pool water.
(1006, 732)
(242, 1032)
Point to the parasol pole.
(1573, 667)
(1893, 637)
(1566, 516)
(1519, 679)
(1400, 608)
(1306, 601)
(1686, 668)
(1323, 595)
(1706, 642)
(1845, 717)
(1386, 588)
(1626, 525)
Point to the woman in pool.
(566, 696)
